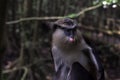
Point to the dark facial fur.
(66, 32)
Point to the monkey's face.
(65, 32)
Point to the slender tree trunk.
(3, 4)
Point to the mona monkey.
(73, 58)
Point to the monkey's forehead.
(66, 22)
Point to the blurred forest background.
(25, 41)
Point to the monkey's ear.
(53, 26)
(47, 25)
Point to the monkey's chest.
(71, 58)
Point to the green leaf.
(115, 1)
(71, 15)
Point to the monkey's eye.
(69, 32)
(74, 29)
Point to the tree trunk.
(3, 4)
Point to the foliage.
(106, 3)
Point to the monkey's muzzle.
(71, 39)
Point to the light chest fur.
(71, 56)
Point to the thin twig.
(108, 32)
(53, 17)
(27, 66)
(31, 19)
(88, 9)
(25, 73)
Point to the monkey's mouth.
(71, 39)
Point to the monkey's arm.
(61, 70)
(78, 72)
(100, 66)
(95, 63)
(56, 57)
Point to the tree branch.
(88, 9)
(53, 17)
(104, 36)
(25, 66)
(32, 18)
(25, 73)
